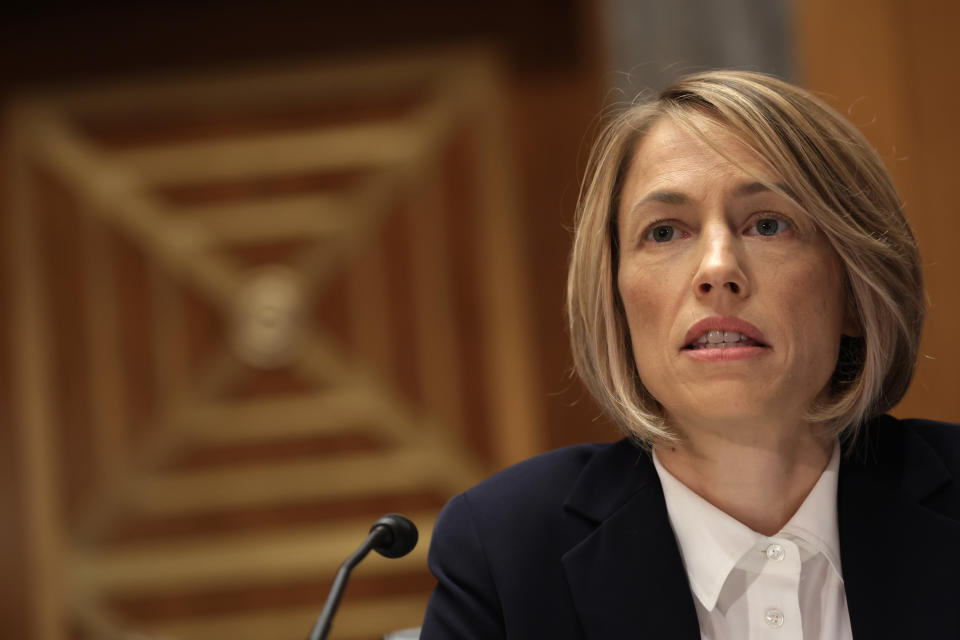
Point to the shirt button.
(774, 618)
(775, 552)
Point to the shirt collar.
(712, 542)
(815, 522)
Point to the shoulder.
(942, 436)
(526, 497)
(929, 443)
(547, 477)
(891, 437)
(917, 458)
(537, 504)
(496, 548)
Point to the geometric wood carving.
(253, 313)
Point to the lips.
(723, 332)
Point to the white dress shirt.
(748, 586)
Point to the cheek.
(650, 302)
(644, 300)
(818, 311)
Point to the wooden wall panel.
(551, 92)
(891, 66)
(201, 448)
(13, 600)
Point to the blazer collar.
(900, 556)
(628, 573)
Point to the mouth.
(722, 332)
(717, 339)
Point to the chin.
(718, 409)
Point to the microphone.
(392, 536)
(397, 535)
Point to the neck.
(760, 477)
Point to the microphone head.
(398, 535)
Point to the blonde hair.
(836, 178)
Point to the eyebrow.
(678, 198)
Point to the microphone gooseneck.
(392, 536)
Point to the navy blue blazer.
(577, 544)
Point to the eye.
(661, 233)
(768, 226)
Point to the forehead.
(673, 155)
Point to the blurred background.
(270, 272)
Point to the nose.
(721, 265)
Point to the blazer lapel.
(900, 557)
(627, 576)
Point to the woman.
(745, 301)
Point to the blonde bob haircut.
(829, 170)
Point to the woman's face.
(734, 300)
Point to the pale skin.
(702, 238)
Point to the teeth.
(716, 338)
